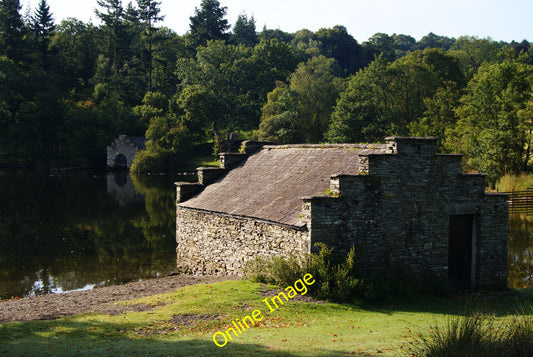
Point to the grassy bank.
(183, 323)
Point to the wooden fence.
(521, 201)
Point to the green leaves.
(494, 128)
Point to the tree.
(42, 25)
(494, 127)
(472, 52)
(236, 79)
(244, 32)
(440, 114)
(149, 13)
(435, 41)
(277, 34)
(380, 44)
(317, 83)
(280, 123)
(403, 44)
(305, 42)
(167, 146)
(208, 23)
(115, 32)
(74, 46)
(388, 98)
(11, 29)
(337, 43)
(302, 110)
(364, 111)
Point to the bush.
(476, 335)
(342, 279)
(336, 281)
(166, 149)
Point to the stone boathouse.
(122, 151)
(400, 204)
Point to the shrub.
(477, 335)
(334, 280)
(341, 279)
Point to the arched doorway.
(121, 161)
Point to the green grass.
(204, 161)
(294, 329)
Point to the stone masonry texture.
(393, 202)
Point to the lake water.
(78, 231)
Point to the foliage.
(476, 335)
(415, 94)
(244, 32)
(167, 146)
(11, 29)
(494, 127)
(509, 183)
(363, 112)
(343, 279)
(301, 111)
(472, 52)
(225, 85)
(208, 23)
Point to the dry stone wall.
(220, 244)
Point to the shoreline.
(102, 299)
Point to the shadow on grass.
(72, 338)
(498, 303)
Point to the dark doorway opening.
(121, 162)
(460, 250)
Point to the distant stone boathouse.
(400, 204)
(122, 151)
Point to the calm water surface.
(79, 231)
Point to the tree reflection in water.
(63, 233)
(520, 251)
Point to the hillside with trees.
(67, 89)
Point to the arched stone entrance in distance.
(121, 161)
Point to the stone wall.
(125, 146)
(214, 243)
(397, 213)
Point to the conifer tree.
(149, 14)
(11, 29)
(208, 23)
(42, 25)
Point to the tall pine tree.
(42, 25)
(149, 14)
(244, 31)
(208, 23)
(115, 31)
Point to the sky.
(501, 20)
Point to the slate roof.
(271, 183)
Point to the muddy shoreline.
(52, 306)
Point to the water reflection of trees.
(66, 232)
(520, 251)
